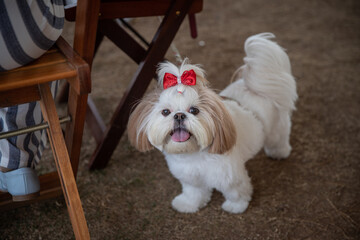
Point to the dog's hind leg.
(277, 143)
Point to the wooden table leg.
(123, 40)
(112, 30)
(138, 85)
(94, 121)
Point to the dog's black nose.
(179, 116)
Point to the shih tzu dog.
(207, 138)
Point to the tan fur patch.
(224, 128)
(137, 137)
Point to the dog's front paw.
(235, 207)
(183, 204)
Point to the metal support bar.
(34, 128)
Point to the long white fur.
(268, 89)
(264, 99)
(267, 71)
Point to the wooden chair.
(100, 17)
(31, 83)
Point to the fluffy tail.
(266, 87)
(267, 71)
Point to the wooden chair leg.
(74, 129)
(63, 165)
(140, 82)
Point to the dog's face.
(192, 120)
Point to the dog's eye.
(165, 112)
(194, 110)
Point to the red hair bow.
(187, 78)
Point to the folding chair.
(31, 83)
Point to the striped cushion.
(28, 28)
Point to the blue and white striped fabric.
(22, 150)
(28, 28)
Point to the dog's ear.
(136, 128)
(224, 129)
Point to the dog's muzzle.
(180, 133)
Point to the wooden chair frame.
(31, 83)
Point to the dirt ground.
(314, 194)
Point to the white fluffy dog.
(207, 138)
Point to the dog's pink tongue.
(180, 135)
